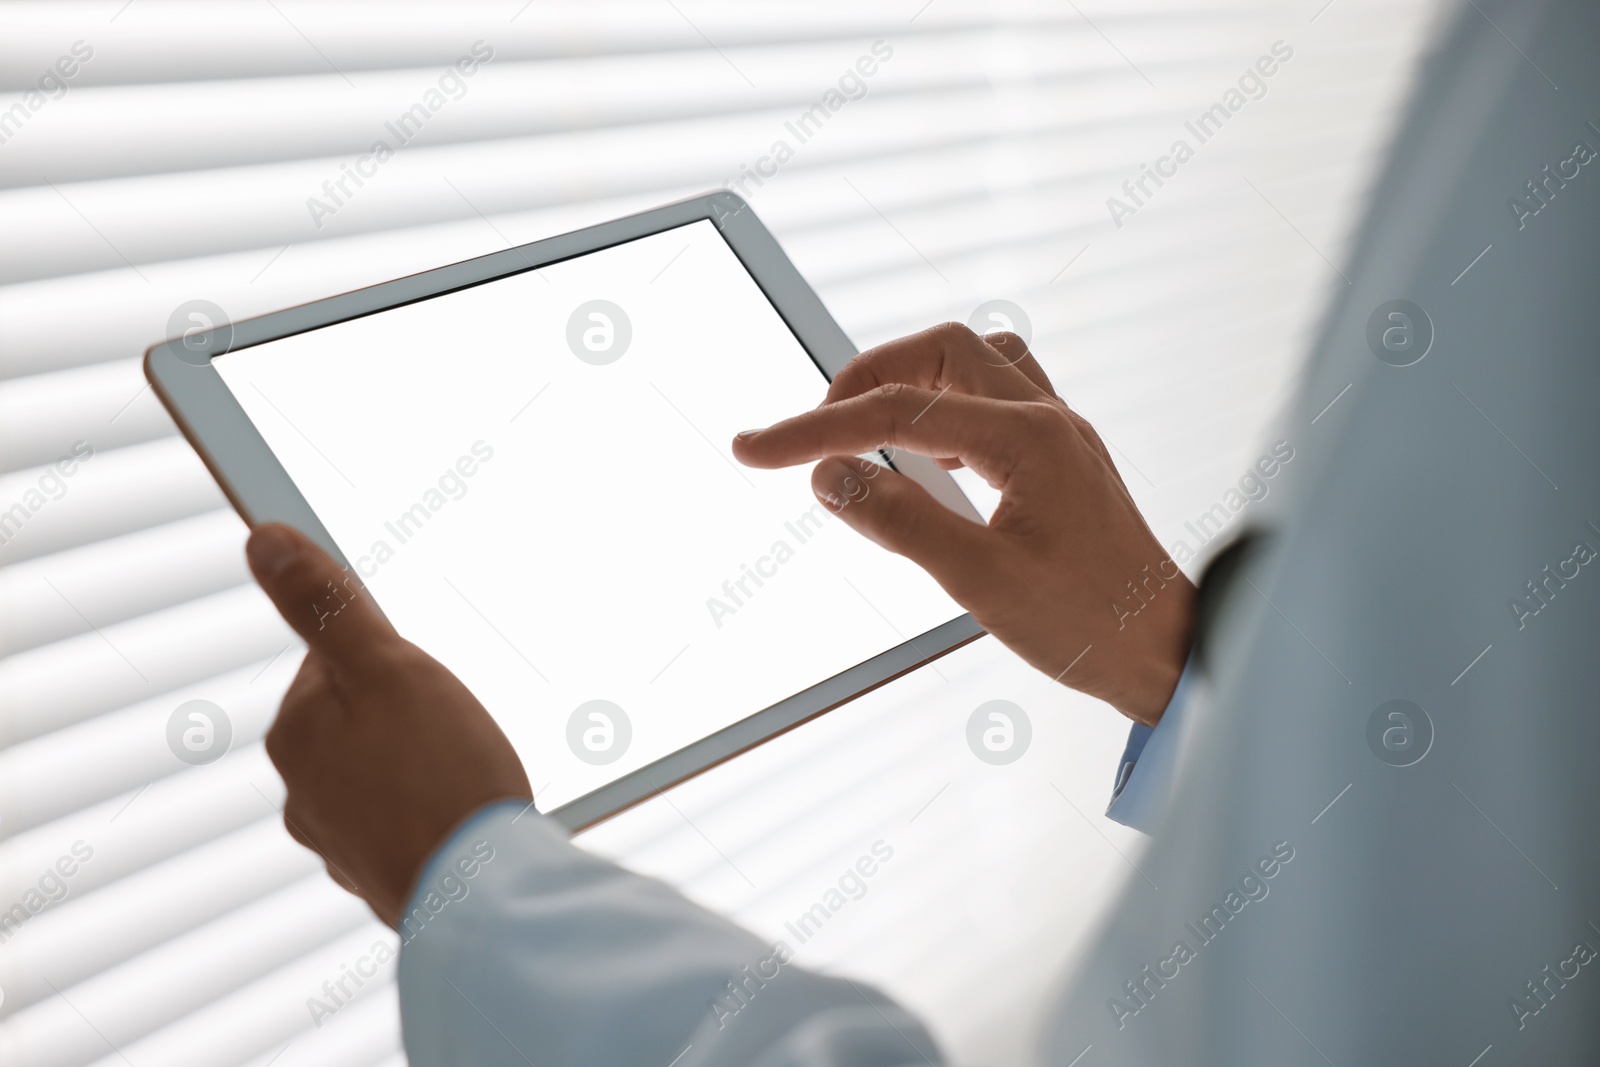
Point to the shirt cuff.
(1145, 771)
(448, 874)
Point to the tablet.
(526, 457)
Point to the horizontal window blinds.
(155, 153)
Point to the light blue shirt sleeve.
(1144, 774)
(519, 947)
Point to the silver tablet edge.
(216, 426)
(740, 737)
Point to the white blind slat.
(177, 165)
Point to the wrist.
(425, 875)
(1155, 649)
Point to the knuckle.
(1011, 342)
(276, 744)
(1042, 420)
(854, 373)
(287, 737)
(895, 394)
(403, 661)
(844, 382)
(292, 826)
(900, 403)
(954, 341)
(1079, 421)
(953, 334)
(274, 750)
(1083, 426)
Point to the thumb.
(895, 512)
(325, 604)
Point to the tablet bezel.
(211, 418)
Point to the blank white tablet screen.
(558, 528)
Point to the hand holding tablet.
(1066, 566)
(382, 749)
(596, 531)
(525, 460)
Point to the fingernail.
(742, 434)
(271, 549)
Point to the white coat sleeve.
(520, 948)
